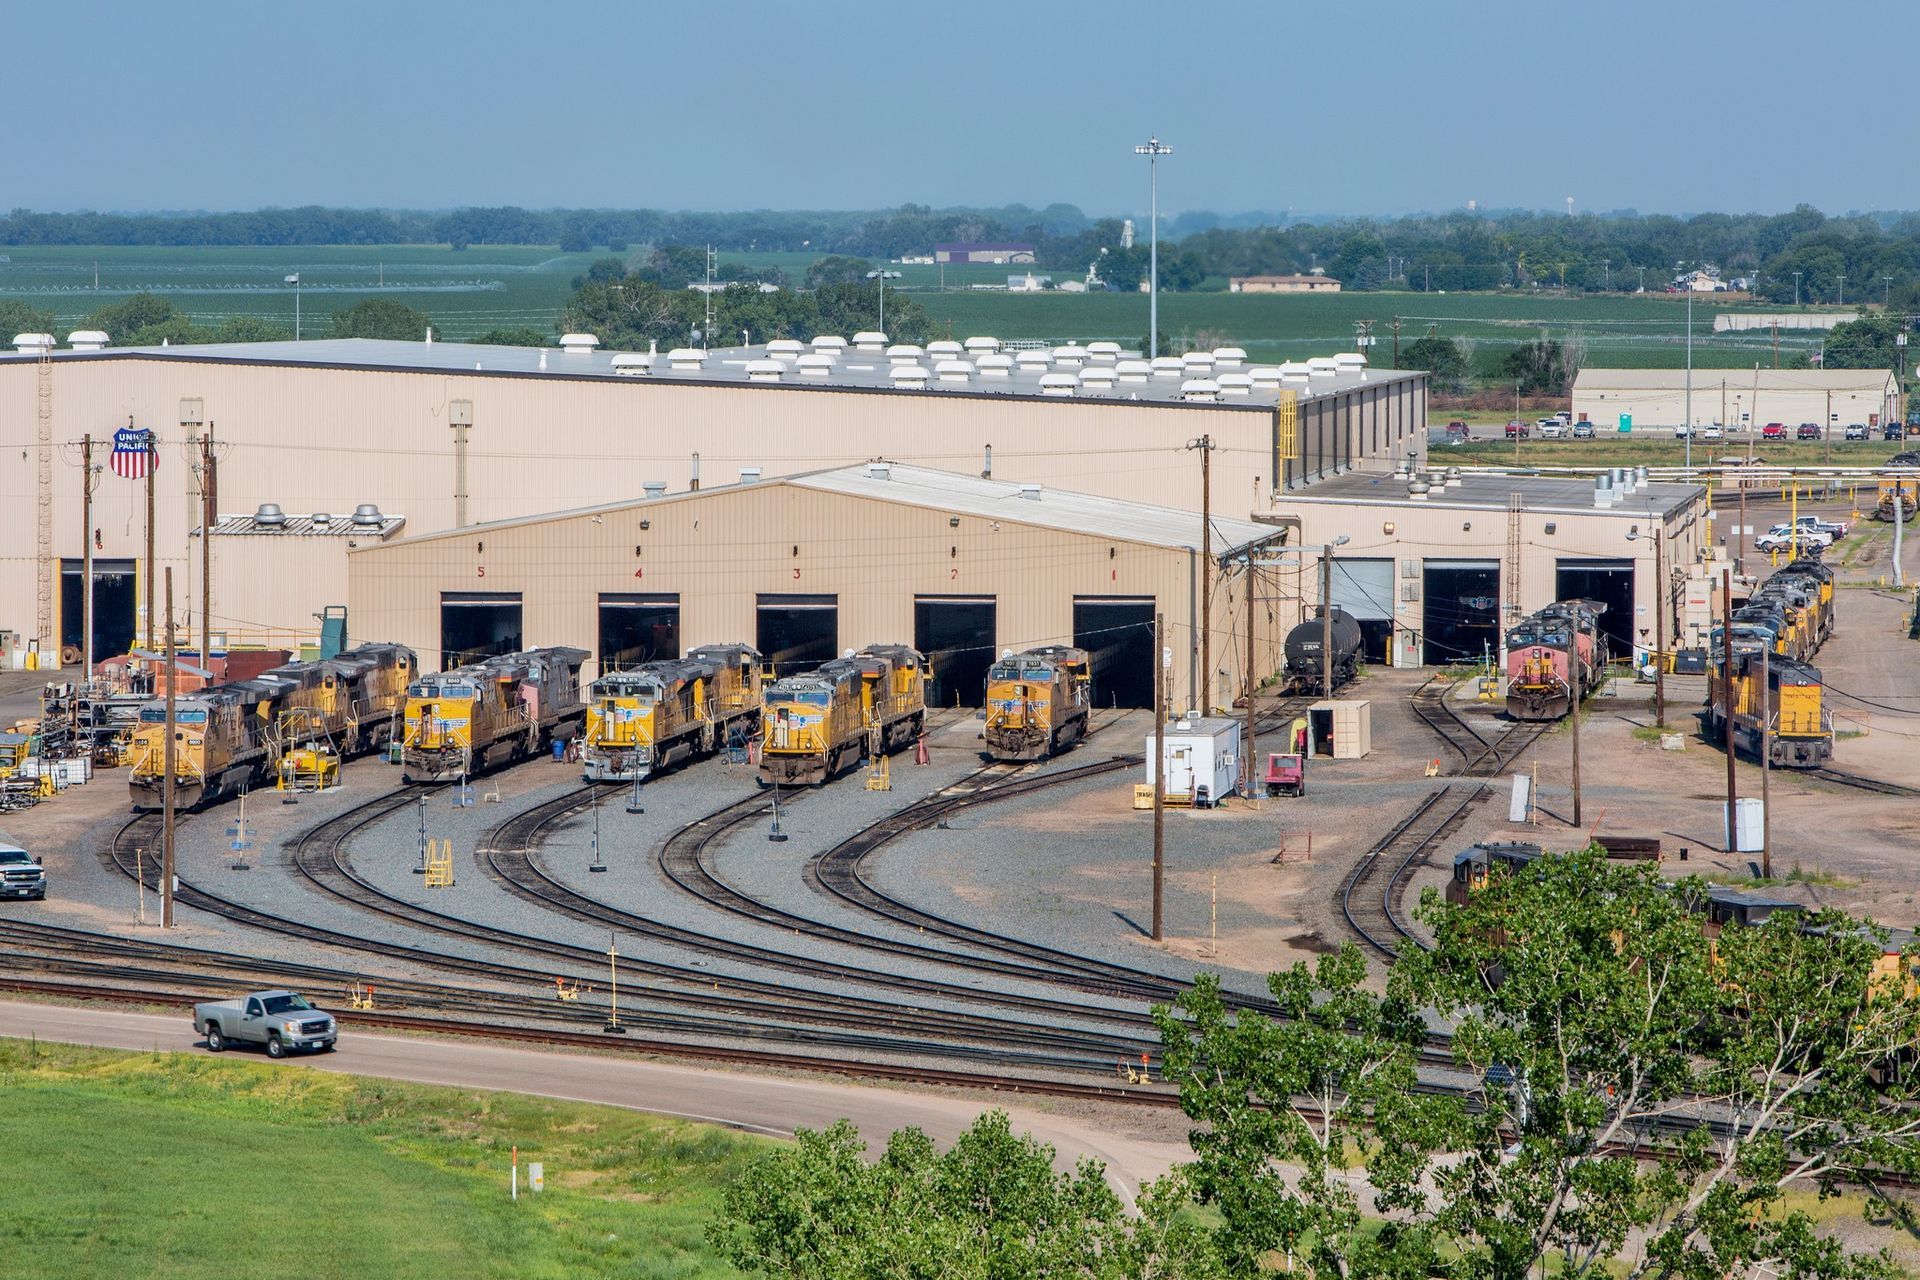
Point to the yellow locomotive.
(660, 713)
(1037, 702)
(506, 708)
(1799, 725)
(230, 737)
(813, 726)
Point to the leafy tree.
(380, 318)
(1287, 1105)
(576, 239)
(601, 271)
(23, 317)
(992, 1206)
(678, 265)
(520, 337)
(1443, 358)
(1125, 269)
(248, 328)
(132, 320)
(851, 308)
(1601, 1026)
(837, 269)
(1867, 343)
(1540, 367)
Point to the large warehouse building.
(1735, 398)
(808, 566)
(433, 436)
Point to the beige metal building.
(1734, 399)
(1315, 283)
(1436, 566)
(445, 435)
(808, 566)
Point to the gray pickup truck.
(281, 1020)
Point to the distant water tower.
(1126, 234)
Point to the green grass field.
(121, 1164)
(487, 287)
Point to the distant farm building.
(1738, 397)
(984, 251)
(1314, 283)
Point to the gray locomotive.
(1304, 657)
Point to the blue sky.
(1324, 107)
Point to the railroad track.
(1370, 894)
(1480, 755)
(1859, 783)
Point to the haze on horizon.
(1712, 106)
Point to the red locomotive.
(1542, 651)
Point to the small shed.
(1203, 759)
(1341, 728)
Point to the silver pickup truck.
(281, 1020)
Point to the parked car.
(1807, 431)
(1836, 528)
(1893, 431)
(281, 1020)
(1458, 433)
(1682, 431)
(1583, 430)
(1516, 428)
(1712, 432)
(1856, 431)
(1774, 431)
(1553, 429)
(21, 875)
(1783, 538)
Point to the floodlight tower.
(1153, 150)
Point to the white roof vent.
(1168, 367)
(1031, 492)
(870, 341)
(1347, 361)
(270, 516)
(1132, 370)
(1032, 361)
(908, 375)
(994, 365)
(829, 344)
(765, 370)
(904, 352)
(1058, 384)
(1234, 384)
(1098, 377)
(749, 475)
(1229, 357)
(633, 366)
(367, 515)
(945, 349)
(33, 343)
(982, 346)
(954, 370)
(1265, 376)
(1103, 352)
(1322, 367)
(879, 471)
(816, 364)
(784, 349)
(578, 344)
(87, 339)
(1200, 391)
(1071, 356)
(1294, 372)
(685, 359)
(1201, 361)
(654, 488)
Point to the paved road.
(758, 1104)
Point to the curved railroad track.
(1369, 895)
(1860, 783)
(1480, 756)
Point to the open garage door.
(112, 605)
(637, 628)
(957, 635)
(1462, 610)
(1118, 632)
(797, 633)
(478, 624)
(1607, 582)
(1364, 588)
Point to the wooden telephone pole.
(1726, 704)
(1248, 752)
(153, 460)
(167, 764)
(1159, 770)
(209, 505)
(86, 557)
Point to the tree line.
(1622, 1097)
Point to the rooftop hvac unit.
(981, 346)
(632, 366)
(763, 370)
(1234, 384)
(684, 359)
(816, 365)
(784, 349)
(87, 339)
(578, 344)
(904, 352)
(1132, 370)
(1229, 357)
(870, 341)
(954, 370)
(994, 365)
(654, 488)
(1103, 352)
(1058, 384)
(1168, 367)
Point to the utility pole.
(1205, 445)
(1394, 325)
(1826, 428)
(1796, 290)
(1726, 704)
(1841, 300)
(1326, 621)
(1160, 658)
(1606, 275)
(1519, 424)
(86, 557)
(1766, 770)
(1689, 373)
(1574, 670)
(1248, 753)
(209, 505)
(168, 765)
(1660, 627)
(153, 461)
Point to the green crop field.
(486, 287)
(122, 1164)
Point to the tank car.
(1547, 653)
(1304, 642)
(814, 726)
(489, 713)
(1037, 702)
(230, 737)
(660, 713)
(1801, 728)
